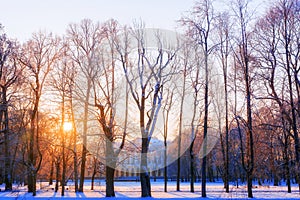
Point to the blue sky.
(23, 17)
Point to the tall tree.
(106, 97)
(266, 44)
(39, 55)
(196, 110)
(146, 81)
(62, 83)
(166, 112)
(72, 77)
(223, 36)
(180, 125)
(199, 28)
(10, 75)
(84, 40)
(290, 12)
(243, 59)
(275, 36)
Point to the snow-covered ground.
(132, 190)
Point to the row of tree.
(87, 96)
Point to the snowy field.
(126, 190)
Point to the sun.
(68, 126)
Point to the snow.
(125, 190)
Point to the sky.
(21, 18)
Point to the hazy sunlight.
(68, 126)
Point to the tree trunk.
(165, 170)
(144, 175)
(250, 150)
(180, 130)
(192, 164)
(110, 168)
(34, 183)
(94, 174)
(5, 127)
(33, 145)
(63, 178)
(84, 136)
(57, 174)
(193, 135)
(203, 173)
(31, 170)
(30, 161)
(205, 125)
(178, 167)
(74, 143)
(166, 127)
(224, 158)
(82, 169)
(226, 134)
(165, 151)
(286, 154)
(51, 172)
(62, 131)
(286, 166)
(249, 184)
(110, 188)
(75, 170)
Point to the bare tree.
(184, 72)
(275, 36)
(290, 11)
(166, 112)
(223, 35)
(199, 28)
(146, 81)
(84, 40)
(106, 97)
(62, 83)
(10, 77)
(196, 109)
(243, 60)
(38, 56)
